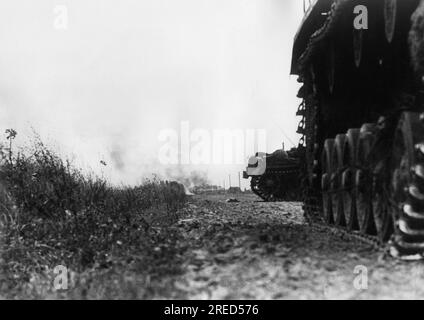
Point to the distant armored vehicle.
(275, 176)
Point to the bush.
(53, 214)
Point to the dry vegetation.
(115, 242)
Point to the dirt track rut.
(255, 250)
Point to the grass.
(116, 242)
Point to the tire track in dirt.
(256, 250)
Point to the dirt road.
(255, 250)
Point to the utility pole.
(239, 180)
(229, 180)
(224, 184)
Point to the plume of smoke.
(116, 155)
(189, 179)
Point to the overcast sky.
(122, 71)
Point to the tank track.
(271, 196)
(323, 32)
(313, 214)
(393, 190)
(391, 217)
(312, 202)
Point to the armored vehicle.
(361, 68)
(275, 176)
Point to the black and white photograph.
(211, 154)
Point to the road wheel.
(348, 178)
(381, 210)
(325, 180)
(336, 180)
(363, 181)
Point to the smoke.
(123, 71)
(116, 155)
(189, 179)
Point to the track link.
(313, 217)
(273, 193)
